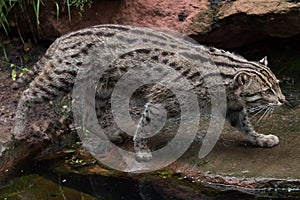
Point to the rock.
(242, 22)
(175, 15)
(222, 23)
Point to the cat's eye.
(269, 92)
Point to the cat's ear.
(264, 61)
(243, 79)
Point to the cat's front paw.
(143, 155)
(117, 137)
(267, 140)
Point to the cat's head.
(259, 86)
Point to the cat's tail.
(30, 75)
(21, 115)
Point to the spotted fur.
(247, 83)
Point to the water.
(43, 183)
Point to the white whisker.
(266, 113)
(262, 116)
(261, 109)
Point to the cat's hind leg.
(150, 123)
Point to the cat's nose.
(281, 100)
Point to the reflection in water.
(44, 184)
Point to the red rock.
(222, 24)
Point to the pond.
(44, 182)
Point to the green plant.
(14, 69)
(79, 4)
(24, 6)
(5, 7)
(36, 8)
(57, 10)
(14, 74)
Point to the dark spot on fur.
(123, 69)
(165, 61)
(173, 64)
(102, 34)
(64, 81)
(194, 75)
(148, 119)
(49, 78)
(72, 73)
(164, 53)
(144, 51)
(79, 63)
(44, 89)
(90, 45)
(84, 50)
(75, 55)
(129, 54)
(154, 58)
(75, 45)
(178, 68)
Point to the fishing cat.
(247, 83)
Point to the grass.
(26, 7)
(7, 5)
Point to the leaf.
(69, 151)
(57, 10)
(13, 74)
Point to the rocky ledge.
(221, 23)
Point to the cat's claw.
(143, 156)
(267, 140)
(117, 137)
